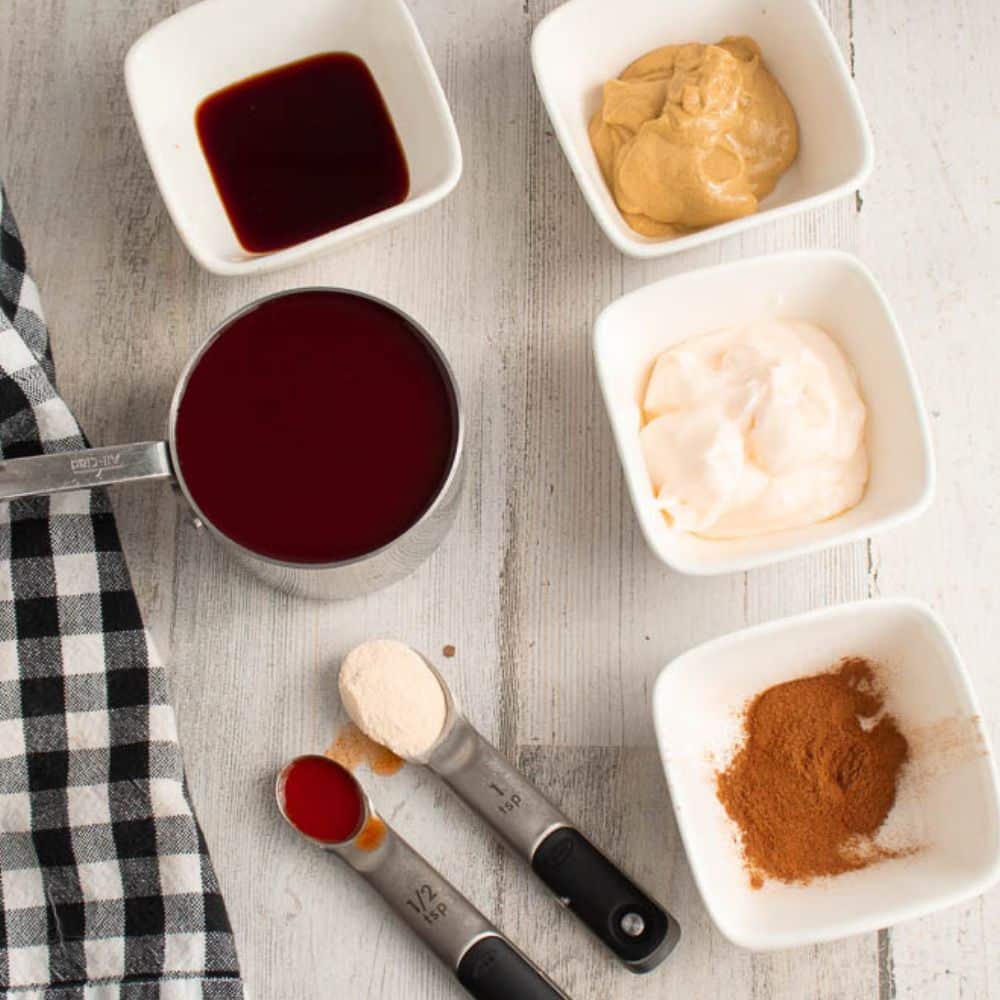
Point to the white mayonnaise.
(753, 429)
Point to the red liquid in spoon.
(322, 799)
(317, 427)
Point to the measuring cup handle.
(40, 475)
(635, 928)
(492, 969)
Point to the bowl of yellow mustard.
(690, 121)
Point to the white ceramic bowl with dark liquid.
(212, 45)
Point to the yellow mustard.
(693, 135)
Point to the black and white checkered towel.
(106, 888)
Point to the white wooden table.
(560, 616)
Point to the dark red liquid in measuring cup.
(322, 799)
(318, 426)
(301, 150)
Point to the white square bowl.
(826, 287)
(172, 68)
(584, 43)
(947, 802)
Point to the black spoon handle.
(635, 928)
(493, 970)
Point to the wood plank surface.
(560, 615)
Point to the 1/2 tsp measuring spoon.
(487, 965)
(639, 931)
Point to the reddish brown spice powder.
(352, 748)
(815, 776)
(372, 834)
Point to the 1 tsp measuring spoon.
(630, 923)
(482, 959)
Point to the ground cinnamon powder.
(815, 776)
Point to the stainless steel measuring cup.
(634, 926)
(480, 957)
(148, 460)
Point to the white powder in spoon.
(393, 697)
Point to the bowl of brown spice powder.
(829, 774)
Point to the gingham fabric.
(106, 888)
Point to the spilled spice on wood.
(352, 748)
(815, 776)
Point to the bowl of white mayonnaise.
(762, 410)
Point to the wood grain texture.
(560, 615)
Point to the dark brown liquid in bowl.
(301, 150)
(317, 427)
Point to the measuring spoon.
(639, 931)
(481, 958)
